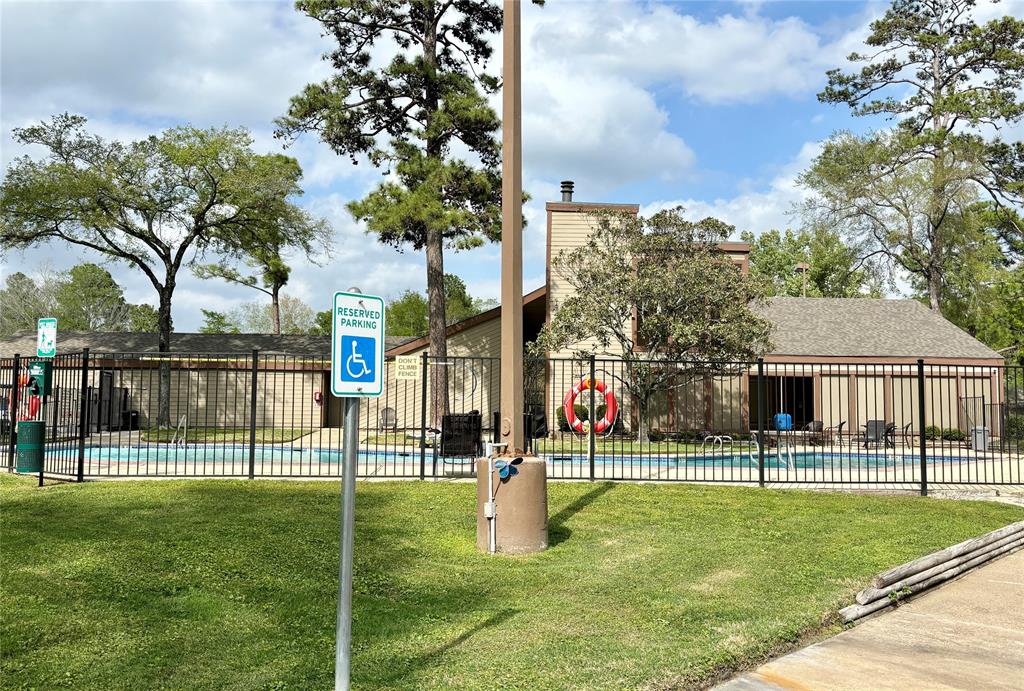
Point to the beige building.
(837, 361)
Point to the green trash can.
(30, 446)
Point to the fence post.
(11, 450)
(921, 424)
(591, 437)
(83, 414)
(252, 413)
(423, 415)
(762, 413)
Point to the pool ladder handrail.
(789, 460)
(183, 428)
(754, 454)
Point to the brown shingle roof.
(863, 327)
(24, 342)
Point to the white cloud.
(726, 60)
(755, 210)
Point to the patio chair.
(388, 419)
(461, 436)
(835, 432)
(814, 432)
(880, 432)
(908, 434)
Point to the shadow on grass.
(557, 532)
(431, 657)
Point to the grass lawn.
(227, 435)
(231, 584)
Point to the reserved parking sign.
(357, 350)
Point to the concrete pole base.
(521, 508)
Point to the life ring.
(611, 409)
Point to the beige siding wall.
(472, 380)
(569, 230)
(835, 401)
(870, 399)
(221, 398)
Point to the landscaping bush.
(931, 432)
(1015, 427)
(582, 414)
(953, 434)
(617, 427)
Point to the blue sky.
(706, 104)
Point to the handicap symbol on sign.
(359, 354)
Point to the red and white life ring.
(611, 409)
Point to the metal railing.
(905, 425)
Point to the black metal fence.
(257, 415)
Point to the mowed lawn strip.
(231, 584)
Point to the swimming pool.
(233, 453)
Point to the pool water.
(217, 453)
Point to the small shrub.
(582, 414)
(656, 435)
(1015, 427)
(931, 432)
(617, 426)
(953, 434)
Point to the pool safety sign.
(357, 351)
(408, 367)
(46, 337)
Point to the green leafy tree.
(153, 204)
(457, 301)
(217, 323)
(836, 269)
(24, 299)
(322, 324)
(89, 299)
(407, 316)
(411, 115)
(143, 318)
(262, 248)
(692, 304)
(947, 81)
(296, 317)
(1003, 327)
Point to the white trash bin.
(980, 437)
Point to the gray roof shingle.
(863, 327)
(807, 327)
(24, 342)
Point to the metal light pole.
(512, 232)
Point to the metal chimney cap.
(567, 190)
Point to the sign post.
(357, 371)
(46, 337)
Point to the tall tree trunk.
(642, 435)
(436, 327)
(275, 309)
(934, 292)
(436, 323)
(164, 326)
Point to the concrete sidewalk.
(968, 634)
